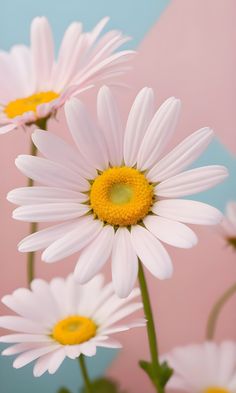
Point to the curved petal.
(139, 118)
(87, 137)
(151, 252)
(30, 356)
(171, 232)
(158, 133)
(124, 263)
(231, 212)
(7, 128)
(182, 156)
(192, 181)
(95, 255)
(191, 212)
(111, 125)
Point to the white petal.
(50, 173)
(48, 212)
(158, 133)
(95, 255)
(87, 137)
(36, 195)
(139, 118)
(182, 156)
(124, 263)
(73, 241)
(151, 252)
(111, 125)
(109, 343)
(26, 338)
(56, 149)
(231, 212)
(18, 348)
(42, 364)
(171, 232)
(192, 181)
(32, 355)
(42, 239)
(56, 360)
(122, 313)
(88, 348)
(7, 128)
(42, 47)
(191, 212)
(19, 324)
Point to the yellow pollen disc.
(27, 104)
(74, 330)
(121, 196)
(216, 389)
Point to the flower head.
(203, 368)
(117, 195)
(228, 224)
(34, 84)
(63, 319)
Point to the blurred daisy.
(34, 84)
(204, 368)
(63, 319)
(228, 224)
(116, 195)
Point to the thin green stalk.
(155, 364)
(85, 375)
(42, 124)
(215, 312)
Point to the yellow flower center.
(74, 330)
(121, 196)
(28, 104)
(216, 389)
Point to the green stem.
(156, 367)
(84, 373)
(215, 312)
(42, 124)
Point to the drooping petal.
(124, 263)
(139, 118)
(191, 212)
(182, 156)
(170, 232)
(158, 133)
(32, 355)
(151, 252)
(192, 181)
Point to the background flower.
(63, 319)
(228, 224)
(34, 84)
(117, 195)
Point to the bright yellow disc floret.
(74, 330)
(121, 196)
(216, 389)
(28, 104)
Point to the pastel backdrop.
(186, 49)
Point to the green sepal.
(163, 376)
(103, 385)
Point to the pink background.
(190, 54)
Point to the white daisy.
(115, 193)
(63, 319)
(228, 224)
(203, 368)
(34, 84)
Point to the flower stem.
(42, 124)
(155, 364)
(215, 312)
(84, 373)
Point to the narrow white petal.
(42, 239)
(192, 181)
(49, 212)
(95, 255)
(25, 338)
(182, 156)
(158, 133)
(19, 348)
(74, 241)
(32, 355)
(87, 137)
(151, 252)
(231, 212)
(20, 324)
(171, 232)
(109, 343)
(191, 212)
(139, 118)
(7, 128)
(42, 365)
(56, 360)
(111, 125)
(88, 348)
(122, 313)
(50, 173)
(124, 263)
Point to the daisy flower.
(63, 319)
(205, 368)
(117, 196)
(228, 224)
(34, 84)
